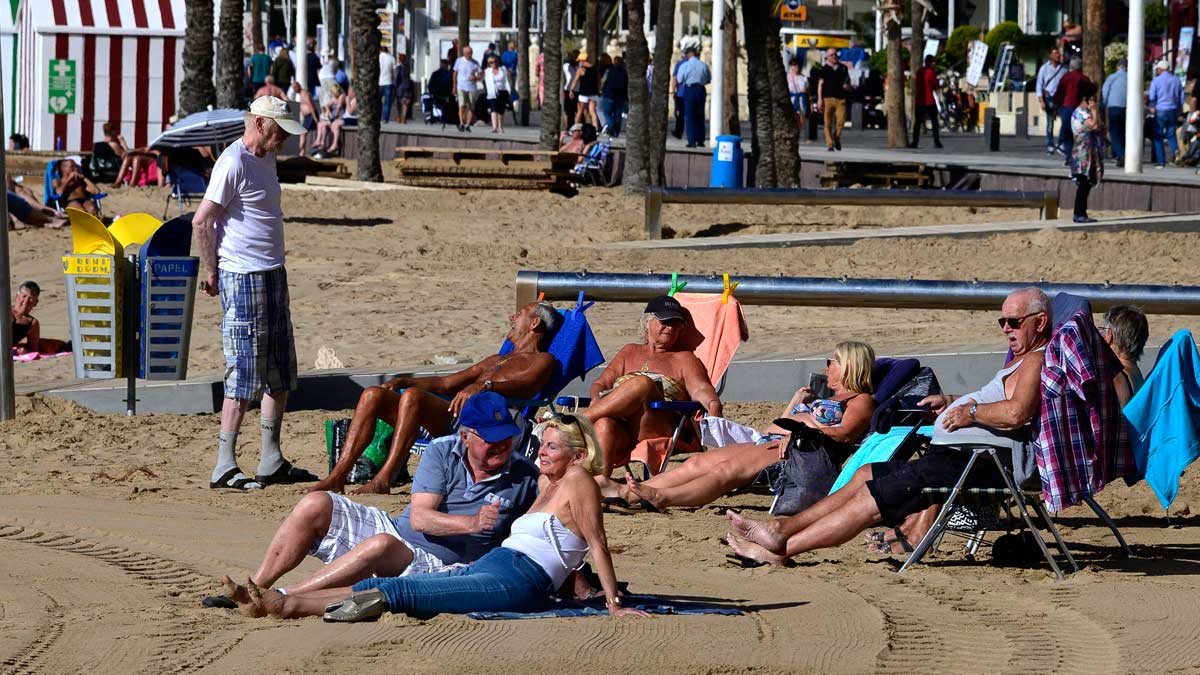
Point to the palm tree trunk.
(916, 52)
(552, 71)
(591, 29)
(758, 93)
(893, 99)
(732, 124)
(523, 88)
(785, 137)
(196, 91)
(1093, 40)
(637, 142)
(464, 24)
(256, 27)
(229, 55)
(364, 27)
(664, 45)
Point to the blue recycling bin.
(726, 163)
(169, 277)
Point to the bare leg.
(752, 551)
(416, 409)
(281, 606)
(712, 484)
(376, 403)
(838, 527)
(381, 555)
(307, 523)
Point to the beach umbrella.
(208, 127)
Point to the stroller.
(439, 110)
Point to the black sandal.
(234, 479)
(287, 475)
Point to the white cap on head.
(1160, 65)
(276, 109)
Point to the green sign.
(62, 86)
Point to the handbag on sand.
(808, 471)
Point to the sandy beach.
(109, 535)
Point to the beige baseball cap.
(276, 109)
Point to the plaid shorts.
(351, 523)
(256, 334)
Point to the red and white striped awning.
(128, 65)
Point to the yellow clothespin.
(675, 285)
(729, 289)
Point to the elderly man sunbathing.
(468, 490)
(656, 369)
(519, 374)
(890, 492)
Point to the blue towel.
(877, 448)
(573, 347)
(48, 182)
(647, 603)
(1164, 417)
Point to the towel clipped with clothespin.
(719, 319)
(675, 285)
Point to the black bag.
(923, 384)
(808, 472)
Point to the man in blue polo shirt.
(467, 491)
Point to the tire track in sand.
(175, 646)
(28, 660)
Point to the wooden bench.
(492, 168)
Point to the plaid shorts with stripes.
(256, 334)
(350, 523)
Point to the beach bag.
(806, 474)
(373, 457)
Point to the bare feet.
(264, 603)
(235, 591)
(376, 486)
(759, 533)
(608, 486)
(643, 491)
(327, 484)
(752, 551)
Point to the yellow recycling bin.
(95, 286)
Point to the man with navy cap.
(467, 491)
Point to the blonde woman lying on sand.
(545, 546)
(709, 475)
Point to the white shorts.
(352, 523)
(584, 98)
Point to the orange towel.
(722, 326)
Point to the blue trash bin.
(727, 163)
(169, 277)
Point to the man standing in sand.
(239, 233)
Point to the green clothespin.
(675, 285)
(729, 289)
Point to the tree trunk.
(196, 91)
(553, 73)
(464, 25)
(229, 55)
(916, 53)
(591, 29)
(637, 144)
(364, 27)
(785, 137)
(732, 124)
(664, 46)
(758, 93)
(893, 99)
(1093, 40)
(523, 89)
(256, 27)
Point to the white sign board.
(978, 55)
(931, 48)
(724, 151)
(1183, 55)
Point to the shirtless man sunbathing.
(656, 369)
(410, 403)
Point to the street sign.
(62, 86)
(793, 10)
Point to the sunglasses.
(831, 360)
(1014, 322)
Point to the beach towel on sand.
(595, 607)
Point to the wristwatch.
(971, 410)
(487, 385)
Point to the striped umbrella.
(209, 127)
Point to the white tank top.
(992, 392)
(544, 538)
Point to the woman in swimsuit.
(546, 545)
(1126, 330)
(843, 418)
(76, 189)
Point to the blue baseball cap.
(488, 415)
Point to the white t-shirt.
(250, 232)
(387, 66)
(466, 69)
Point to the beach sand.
(109, 535)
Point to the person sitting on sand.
(468, 490)
(890, 492)
(520, 575)
(519, 374)
(24, 209)
(656, 369)
(26, 331)
(75, 189)
(846, 416)
(1125, 329)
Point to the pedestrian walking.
(1085, 161)
(692, 78)
(925, 85)
(1112, 102)
(466, 74)
(831, 98)
(1067, 99)
(614, 96)
(798, 91)
(1046, 86)
(1164, 101)
(387, 82)
(239, 232)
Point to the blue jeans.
(611, 112)
(800, 103)
(503, 580)
(1116, 131)
(387, 91)
(1165, 125)
(1051, 113)
(1066, 137)
(693, 109)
